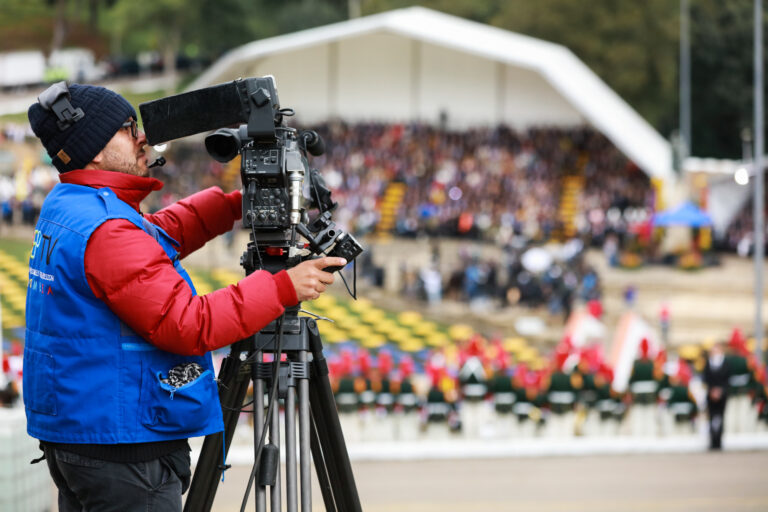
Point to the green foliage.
(293, 15)
(721, 75)
(632, 46)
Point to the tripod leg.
(329, 440)
(274, 437)
(258, 428)
(233, 386)
(291, 494)
(304, 440)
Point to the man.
(117, 370)
(716, 375)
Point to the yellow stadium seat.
(360, 305)
(373, 341)
(514, 345)
(412, 345)
(425, 329)
(460, 332)
(373, 316)
(528, 355)
(323, 302)
(689, 352)
(348, 323)
(409, 317)
(386, 326)
(335, 337)
(225, 277)
(361, 332)
(437, 340)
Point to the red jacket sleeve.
(196, 219)
(130, 272)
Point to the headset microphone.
(159, 162)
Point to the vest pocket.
(178, 410)
(39, 383)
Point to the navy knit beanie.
(74, 147)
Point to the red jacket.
(131, 273)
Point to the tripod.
(301, 381)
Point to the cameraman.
(117, 370)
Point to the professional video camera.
(273, 168)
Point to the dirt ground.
(696, 482)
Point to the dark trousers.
(87, 484)
(716, 414)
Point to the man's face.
(125, 153)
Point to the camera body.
(273, 164)
(273, 169)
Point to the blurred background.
(561, 214)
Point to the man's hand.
(308, 277)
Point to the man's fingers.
(329, 262)
(325, 277)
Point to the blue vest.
(89, 378)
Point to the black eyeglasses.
(133, 126)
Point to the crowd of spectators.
(512, 280)
(494, 184)
(739, 236)
(483, 183)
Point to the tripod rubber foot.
(270, 458)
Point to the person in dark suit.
(716, 379)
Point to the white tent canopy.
(419, 64)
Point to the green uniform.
(606, 401)
(740, 379)
(681, 404)
(346, 397)
(561, 394)
(588, 392)
(526, 402)
(437, 408)
(503, 394)
(406, 398)
(643, 386)
(384, 396)
(367, 396)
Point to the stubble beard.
(120, 162)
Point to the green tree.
(632, 46)
(168, 26)
(722, 75)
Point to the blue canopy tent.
(686, 214)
